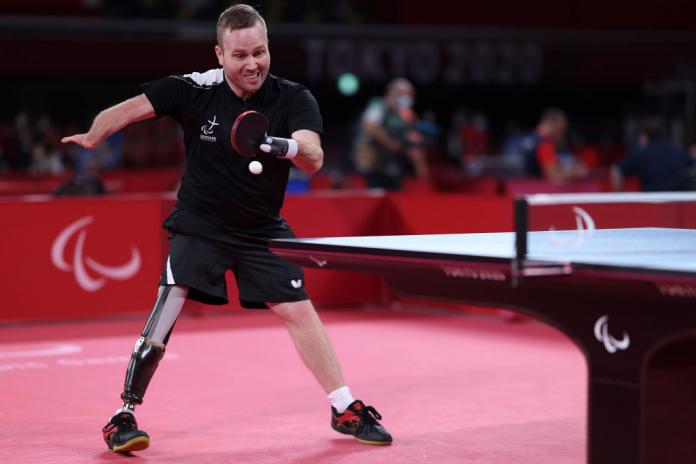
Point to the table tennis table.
(626, 297)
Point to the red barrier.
(26, 185)
(119, 181)
(448, 214)
(73, 258)
(82, 257)
(337, 214)
(142, 180)
(601, 183)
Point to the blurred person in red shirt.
(475, 136)
(541, 153)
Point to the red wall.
(74, 258)
(45, 278)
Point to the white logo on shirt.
(207, 130)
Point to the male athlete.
(225, 215)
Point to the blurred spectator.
(542, 149)
(469, 135)
(588, 154)
(388, 145)
(659, 163)
(29, 145)
(166, 143)
(152, 143)
(687, 179)
(455, 144)
(46, 158)
(475, 135)
(24, 140)
(431, 131)
(511, 145)
(46, 150)
(429, 127)
(85, 182)
(107, 155)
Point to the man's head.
(400, 94)
(553, 124)
(242, 49)
(652, 128)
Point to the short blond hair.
(553, 115)
(238, 16)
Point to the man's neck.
(238, 92)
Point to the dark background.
(605, 62)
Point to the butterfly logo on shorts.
(296, 283)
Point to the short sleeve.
(168, 96)
(374, 113)
(303, 112)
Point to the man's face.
(558, 129)
(400, 95)
(245, 59)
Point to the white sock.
(341, 398)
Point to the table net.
(652, 230)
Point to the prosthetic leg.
(149, 349)
(121, 434)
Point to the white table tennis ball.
(255, 167)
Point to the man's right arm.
(112, 120)
(552, 169)
(383, 138)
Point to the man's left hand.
(280, 148)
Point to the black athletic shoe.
(121, 434)
(361, 422)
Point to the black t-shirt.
(659, 164)
(218, 193)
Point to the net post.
(521, 225)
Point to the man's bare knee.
(294, 312)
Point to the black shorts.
(262, 276)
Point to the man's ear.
(219, 54)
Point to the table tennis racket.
(248, 132)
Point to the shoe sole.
(373, 443)
(365, 442)
(135, 444)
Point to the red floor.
(231, 389)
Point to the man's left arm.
(303, 147)
(310, 155)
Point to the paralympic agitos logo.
(79, 264)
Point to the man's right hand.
(112, 120)
(79, 139)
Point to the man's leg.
(121, 433)
(348, 416)
(312, 343)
